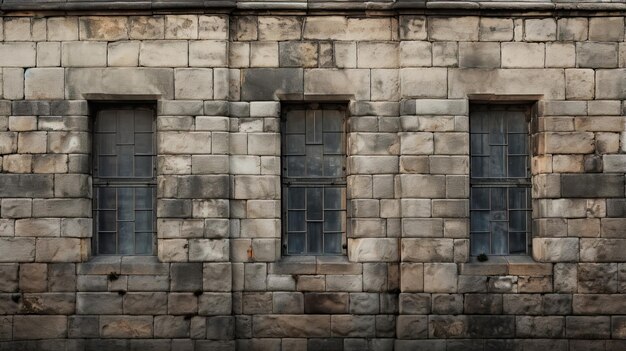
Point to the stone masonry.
(218, 75)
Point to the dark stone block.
(26, 185)
(216, 108)
(5, 107)
(174, 208)
(325, 345)
(616, 208)
(84, 327)
(593, 163)
(203, 187)
(483, 304)
(592, 185)
(221, 327)
(239, 109)
(464, 345)
(414, 303)
(326, 303)
(186, 276)
(407, 107)
(69, 108)
(31, 108)
(265, 83)
(491, 326)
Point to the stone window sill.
(138, 265)
(315, 265)
(506, 265)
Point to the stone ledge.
(506, 265)
(86, 5)
(314, 265)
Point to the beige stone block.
(579, 84)
(209, 250)
(123, 53)
(63, 28)
(440, 277)
(369, 28)
(445, 54)
(84, 54)
(61, 250)
(300, 326)
(126, 326)
(173, 250)
(377, 55)
(48, 54)
(340, 82)
(32, 143)
(609, 84)
(549, 82)
(411, 277)
(17, 249)
(523, 55)
(147, 27)
(19, 54)
(345, 54)
(415, 54)
(17, 29)
(8, 142)
(184, 143)
(50, 163)
(453, 28)
(543, 29)
(245, 28)
(606, 29)
(39, 327)
(193, 83)
(568, 164)
(279, 28)
(22, 123)
(120, 81)
(566, 143)
(596, 55)
(264, 54)
(413, 28)
(13, 83)
(479, 55)
(560, 55)
(44, 83)
(572, 28)
(17, 163)
(181, 27)
(607, 143)
(212, 27)
(164, 53)
(208, 53)
(416, 143)
(427, 250)
(108, 28)
(325, 27)
(423, 82)
(298, 54)
(373, 250)
(239, 54)
(495, 29)
(555, 249)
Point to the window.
(124, 181)
(500, 194)
(313, 182)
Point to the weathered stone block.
(19, 54)
(44, 83)
(596, 55)
(39, 327)
(480, 55)
(440, 277)
(265, 83)
(578, 327)
(181, 27)
(63, 28)
(415, 54)
(555, 250)
(279, 28)
(495, 29)
(549, 82)
(215, 304)
(352, 326)
(145, 303)
(483, 304)
(427, 250)
(595, 185)
(108, 28)
(420, 186)
(338, 82)
(60, 250)
(208, 53)
(573, 28)
(579, 84)
(17, 249)
(453, 29)
(146, 27)
(288, 302)
(523, 55)
(163, 53)
(13, 83)
(126, 326)
(373, 249)
(84, 54)
(539, 327)
(412, 27)
(423, 82)
(171, 327)
(540, 29)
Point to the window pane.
(517, 122)
(314, 237)
(517, 221)
(295, 166)
(296, 198)
(496, 162)
(295, 144)
(517, 243)
(333, 166)
(517, 144)
(332, 143)
(314, 203)
(106, 198)
(126, 128)
(479, 244)
(143, 166)
(332, 221)
(296, 221)
(143, 144)
(126, 233)
(143, 221)
(333, 198)
(295, 121)
(106, 221)
(125, 161)
(313, 127)
(517, 166)
(107, 166)
(125, 205)
(106, 243)
(106, 144)
(143, 198)
(480, 167)
(518, 198)
(480, 198)
(332, 243)
(105, 121)
(499, 238)
(479, 221)
(295, 243)
(143, 243)
(497, 133)
(333, 121)
(143, 121)
(314, 160)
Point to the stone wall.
(219, 281)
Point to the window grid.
(314, 187)
(124, 182)
(500, 194)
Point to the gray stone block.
(98, 303)
(186, 276)
(326, 303)
(592, 185)
(26, 185)
(265, 83)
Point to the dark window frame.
(100, 183)
(308, 183)
(507, 185)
